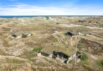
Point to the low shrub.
(100, 63)
(37, 50)
(84, 57)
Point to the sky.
(51, 7)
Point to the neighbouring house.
(20, 35)
(14, 35)
(24, 35)
(61, 56)
(43, 54)
(55, 55)
(69, 34)
(82, 21)
(77, 56)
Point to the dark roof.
(60, 54)
(69, 34)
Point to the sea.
(17, 16)
(46, 16)
(28, 16)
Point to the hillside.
(22, 39)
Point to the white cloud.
(24, 9)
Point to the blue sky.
(51, 7)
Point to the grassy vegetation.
(14, 61)
(100, 63)
(9, 64)
(84, 57)
(38, 50)
(43, 40)
(80, 46)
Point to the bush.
(81, 45)
(100, 63)
(38, 50)
(84, 57)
